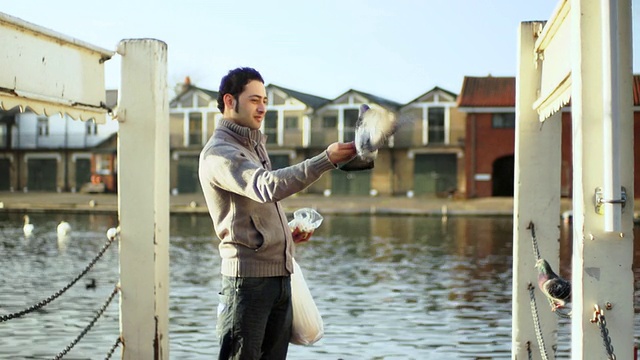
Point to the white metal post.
(536, 202)
(610, 115)
(185, 128)
(602, 259)
(143, 199)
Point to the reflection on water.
(389, 287)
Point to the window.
(503, 121)
(103, 164)
(291, 122)
(350, 120)
(271, 126)
(329, 122)
(436, 125)
(195, 128)
(43, 126)
(92, 127)
(4, 142)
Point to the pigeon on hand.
(556, 289)
(373, 128)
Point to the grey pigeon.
(373, 128)
(555, 288)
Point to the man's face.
(251, 105)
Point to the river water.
(388, 287)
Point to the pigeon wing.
(558, 289)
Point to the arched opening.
(502, 176)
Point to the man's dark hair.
(234, 82)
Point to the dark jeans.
(254, 318)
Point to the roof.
(381, 101)
(312, 101)
(501, 91)
(434, 90)
(187, 87)
(107, 145)
(211, 93)
(488, 91)
(389, 104)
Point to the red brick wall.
(484, 145)
(567, 160)
(566, 172)
(636, 153)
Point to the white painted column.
(280, 128)
(143, 199)
(185, 128)
(205, 128)
(447, 123)
(306, 131)
(602, 259)
(536, 200)
(341, 124)
(425, 125)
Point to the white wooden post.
(602, 259)
(536, 201)
(143, 199)
(185, 128)
(306, 131)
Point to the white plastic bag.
(305, 220)
(307, 327)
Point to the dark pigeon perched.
(555, 288)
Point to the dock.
(331, 205)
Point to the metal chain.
(113, 348)
(536, 323)
(536, 251)
(48, 300)
(598, 318)
(90, 325)
(529, 352)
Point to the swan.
(28, 227)
(112, 233)
(64, 228)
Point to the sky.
(395, 49)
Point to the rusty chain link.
(536, 323)
(598, 319)
(84, 331)
(536, 251)
(113, 348)
(57, 294)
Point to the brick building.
(489, 104)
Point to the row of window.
(91, 128)
(436, 124)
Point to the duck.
(28, 227)
(64, 228)
(91, 284)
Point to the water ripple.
(387, 287)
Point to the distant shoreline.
(333, 205)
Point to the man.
(243, 193)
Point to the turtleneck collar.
(243, 131)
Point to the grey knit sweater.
(242, 194)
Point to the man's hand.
(341, 152)
(301, 236)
